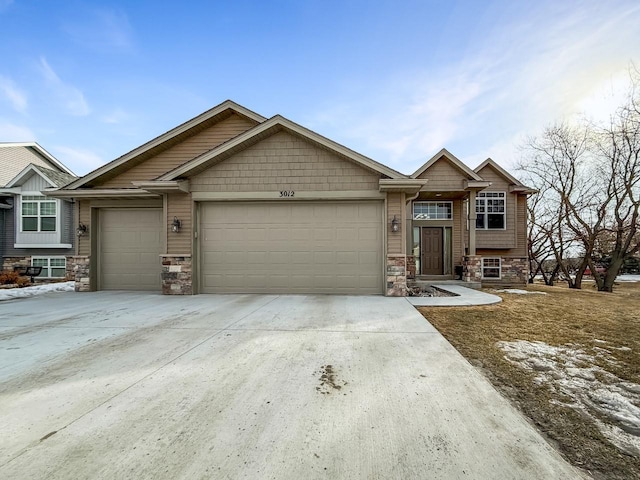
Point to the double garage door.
(291, 247)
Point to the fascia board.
(274, 122)
(228, 104)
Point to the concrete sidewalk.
(464, 297)
(133, 385)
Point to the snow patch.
(10, 293)
(569, 370)
(628, 278)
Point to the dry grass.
(584, 318)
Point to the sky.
(393, 80)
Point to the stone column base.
(177, 277)
(472, 268)
(397, 276)
(78, 269)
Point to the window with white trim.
(432, 210)
(38, 213)
(52, 267)
(491, 210)
(491, 268)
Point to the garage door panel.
(296, 247)
(130, 248)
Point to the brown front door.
(431, 254)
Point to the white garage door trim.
(129, 246)
(333, 247)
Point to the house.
(36, 229)
(232, 202)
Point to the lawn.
(569, 360)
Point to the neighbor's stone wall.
(397, 276)
(472, 268)
(10, 263)
(78, 270)
(177, 275)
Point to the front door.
(431, 251)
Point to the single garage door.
(130, 244)
(292, 247)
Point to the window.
(52, 267)
(38, 214)
(432, 211)
(491, 268)
(490, 210)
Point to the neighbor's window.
(52, 267)
(491, 268)
(432, 211)
(490, 210)
(38, 214)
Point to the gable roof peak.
(452, 159)
(273, 125)
(501, 171)
(216, 111)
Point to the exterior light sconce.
(175, 225)
(395, 225)
(81, 231)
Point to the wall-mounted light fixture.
(81, 230)
(175, 225)
(395, 225)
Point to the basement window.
(491, 268)
(52, 267)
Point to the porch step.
(424, 283)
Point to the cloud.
(78, 160)
(70, 97)
(10, 132)
(101, 29)
(16, 97)
(536, 65)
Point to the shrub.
(23, 282)
(8, 277)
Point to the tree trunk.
(612, 273)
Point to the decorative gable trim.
(515, 187)
(166, 137)
(270, 127)
(453, 160)
(26, 173)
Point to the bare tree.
(618, 144)
(588, 177)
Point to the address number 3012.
(287, 193)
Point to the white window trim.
(499, 277)
(413, 212)
(485, 213)
(39, 194)
(48, 268)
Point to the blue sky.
(393, 80)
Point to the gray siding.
(10, 233)
(35, 184)
(3, 230)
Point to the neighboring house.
(233, 202)
(36, 229)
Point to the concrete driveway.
(134, 385)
